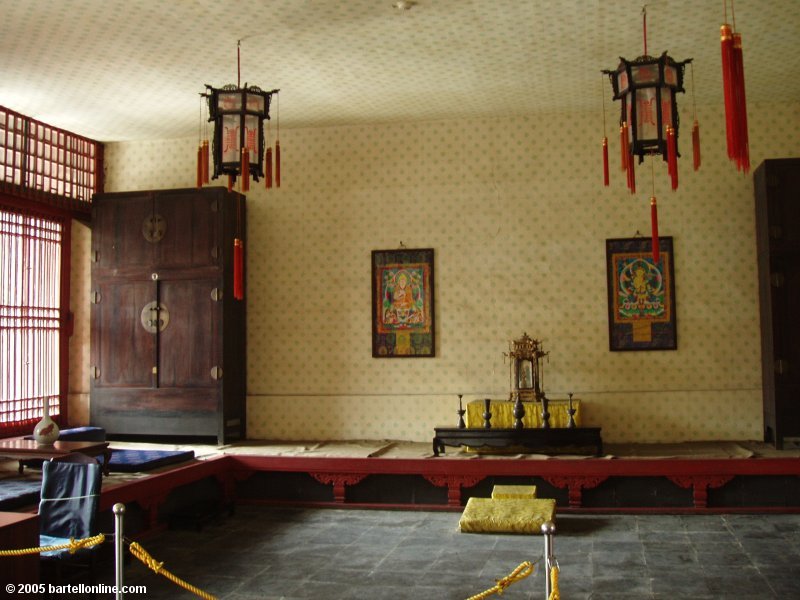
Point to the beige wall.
(517, 214)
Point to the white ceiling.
(118, 70)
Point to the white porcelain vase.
(46, 431)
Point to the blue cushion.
(134, 461)
(15, 493)
(80, 434)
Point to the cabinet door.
(123, 351)
(191, 229)
(190, 346)
(124, 230)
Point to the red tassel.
(231, 181)
(696, 144)
(726, 42)
(199, 166)
(605, 161)
(623, 147)
(740, 107)
(628, 158)
(238, 269)
(654, 224)
(672, 157)
(277, 163)
(205, 161)
(268, 169)
(244, 167)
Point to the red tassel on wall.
(632, 173)
(238, 269)
(205, 161)
(277, 163)
(244, 167)
(654, 224)
(605, 161)
(696, 144)
(672, 157)
(726, 42)
(199, 166)
(268, 169)
(740, 107)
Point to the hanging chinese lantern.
(649, 122)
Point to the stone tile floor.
(270, 553)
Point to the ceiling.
(117, 70)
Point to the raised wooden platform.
(578, 484)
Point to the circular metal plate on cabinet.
(154, 228)
(154, 317)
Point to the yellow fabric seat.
(516, 515)
(503, 413)
(507, 492)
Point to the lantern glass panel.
(646, 114)
(251, 137)
(622, 81)
(229, 101)
(255, 103)
(671, 76)
(230, 138)
(645, 74)
(666, 108)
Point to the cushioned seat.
(505, 492)
(516, 515)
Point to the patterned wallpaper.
(517, 214)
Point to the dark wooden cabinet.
(168, 338)
(777, 192)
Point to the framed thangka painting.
(402, 303)
(641, 295)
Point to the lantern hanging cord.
(603, 98)
(653, 172)
(200, 123)
(733, 16)
(644, 27)
(694, 98)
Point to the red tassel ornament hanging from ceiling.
(605, 161)
(734, 93)
(672, 157)
(205, 161)
(238, 269)
(199, 166)
(740, 106)
(696, 145)
(277, 163)
(268, 169)
(726, 41)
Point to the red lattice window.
(48, 164)
(31, 320)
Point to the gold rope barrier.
(554, 593)
(73, 545)
(518, 574)
(156, 567)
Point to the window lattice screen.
(48, 164)
(30, 318)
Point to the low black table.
(545, 441)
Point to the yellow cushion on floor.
(518, 515)
(505, 492)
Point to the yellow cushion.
(518, 515)
(506, 492)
